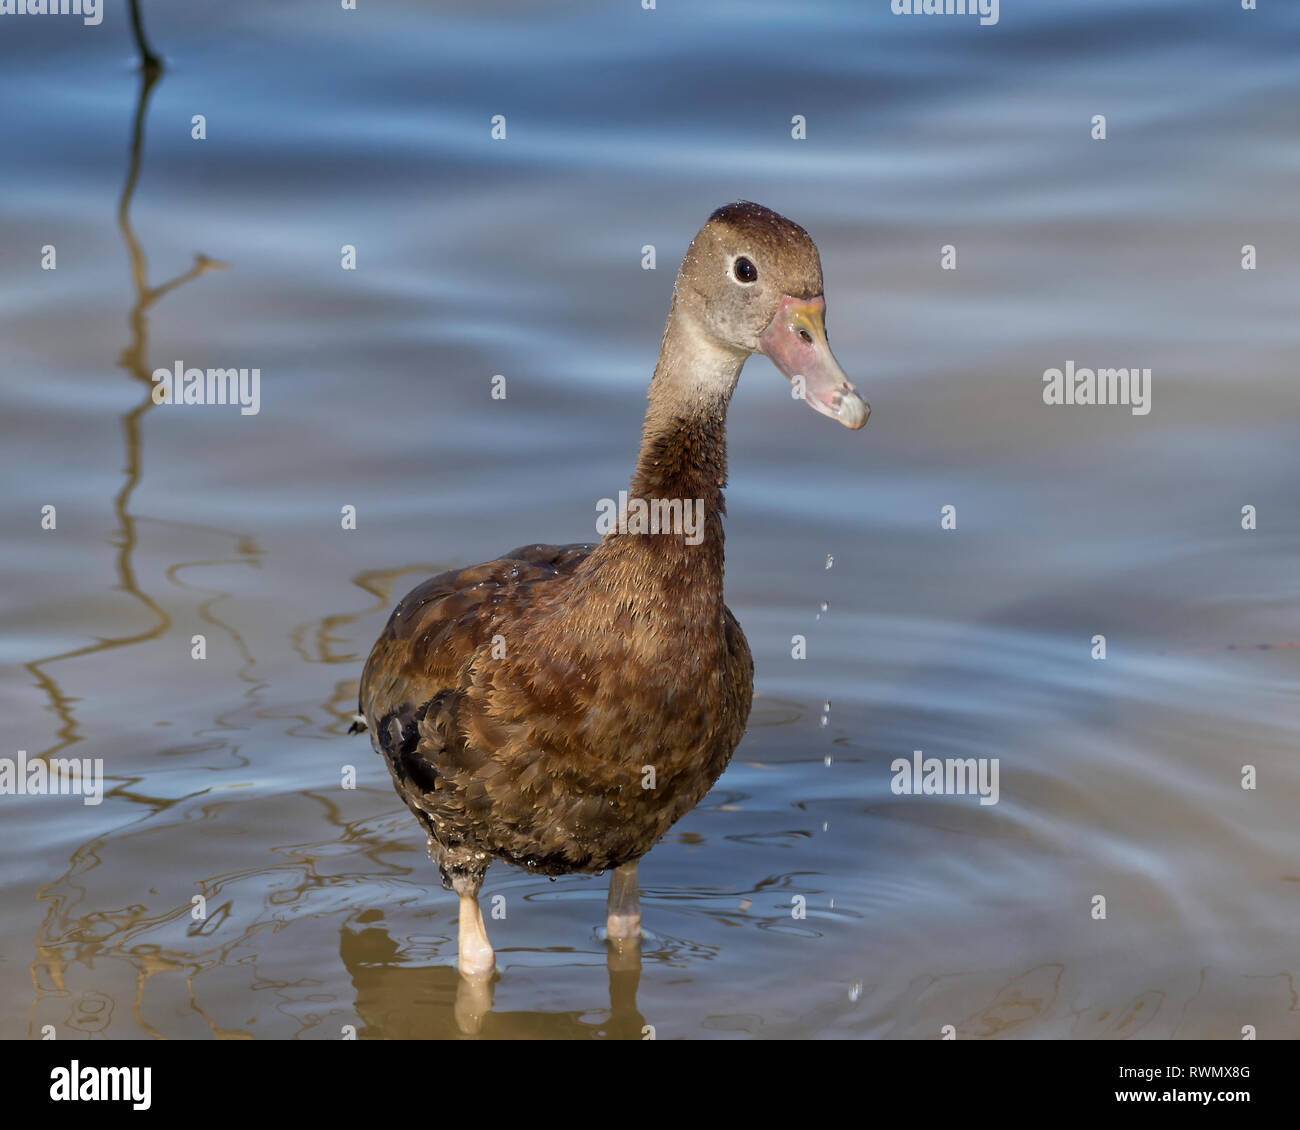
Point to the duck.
(561, 707)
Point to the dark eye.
(745, 271)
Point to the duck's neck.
(680, 472)
(684, 438)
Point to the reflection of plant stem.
(52, 959)
(133, 359)
(378, 583)
(148, 60)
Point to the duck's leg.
(475, 951)
(623, 910)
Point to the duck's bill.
(796, 344)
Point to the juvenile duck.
(561, 707)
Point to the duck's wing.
(441, 623)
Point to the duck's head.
(754, 281)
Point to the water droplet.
(830, 560)
(826, 825)
(828, 759)
(832, 904)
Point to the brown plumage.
(561, 707)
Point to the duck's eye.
(744, 270)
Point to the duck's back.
(439, 625)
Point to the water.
(1118, 777)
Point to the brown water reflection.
(436, 1003)
(62, 942)
(134, 361)
(317, 641)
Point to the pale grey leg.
(475, 951)
(623, 910)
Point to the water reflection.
(133, 360)
(317, 641)
(66, 940)
(397, 1001)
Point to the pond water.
(1119, 777)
